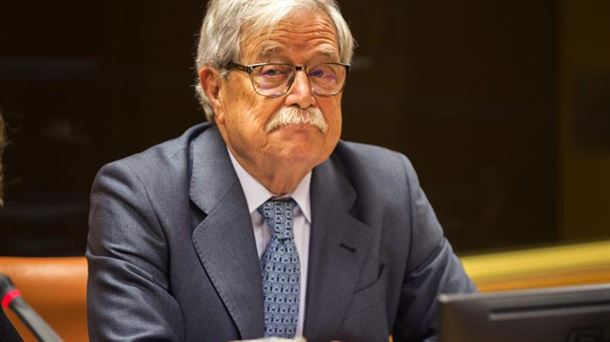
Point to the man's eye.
(322, 73)
(317, 73)
(273, 71)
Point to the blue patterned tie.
(280, 270)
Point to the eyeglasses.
(275, 79)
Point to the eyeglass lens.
(275, 79)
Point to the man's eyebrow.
(269, 51)
(273, 51)
(328, 52)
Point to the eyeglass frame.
(249, 68)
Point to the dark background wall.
(501, 105)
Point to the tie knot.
(278, 215)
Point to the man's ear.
(211, 82)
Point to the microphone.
(11, 297)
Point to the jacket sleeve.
(128, 296)
(432, 269)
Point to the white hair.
(221, 31)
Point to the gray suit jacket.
(172, 255)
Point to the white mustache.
(295, 116)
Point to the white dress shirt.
(256, 194)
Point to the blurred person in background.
(7, 331)
(262, 222)
(2, 144)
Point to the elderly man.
(262, 222)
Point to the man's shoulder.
(369, 157)
(164, 160)
(372, 164)
(362, 149)
(167, 152)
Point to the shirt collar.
(256, 194)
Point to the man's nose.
(300, 92)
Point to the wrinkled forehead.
(304, 31)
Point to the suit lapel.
(224, 240)
(339, 246)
